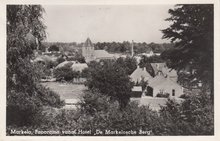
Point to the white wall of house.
(175, 89)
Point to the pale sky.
(141, 23)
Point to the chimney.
(157, 65)
(132, 48)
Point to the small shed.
(136, 92)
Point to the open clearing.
(66, 91)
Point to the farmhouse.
(162, 85)
(164, 82)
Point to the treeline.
(125, 47)
(113, 47)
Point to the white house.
(161, 84)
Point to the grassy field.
(66, 91)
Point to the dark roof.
(88, 43)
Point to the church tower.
(88, 50)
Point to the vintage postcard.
(113, 70)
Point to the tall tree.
(129, 64)
(25, 30)
(192, 32)
(110, 79)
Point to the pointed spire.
(88, 43)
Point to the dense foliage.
(125, 47)
(98, 112)
(25, 97)
(53, 48)
(110, 79)
(113, 47)
(77, 57)
(66, 73)
(192, 33)
(195, 116)
(129, 64)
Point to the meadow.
(66, 90)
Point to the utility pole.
(132, 48)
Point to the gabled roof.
(88, 43)
(140, 73)
(169, 72)
(158, 67)
(79, 66)
(44, 58)
(64, 64)
(99, 54)
(156, 80)
(162, 82)
(74, 65)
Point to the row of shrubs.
(195, 116)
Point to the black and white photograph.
(110, 69)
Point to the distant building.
(88, 50)
(138, 59)
(76, 66)
(90, 54)
(149, 53)
(140, 74)
(44, 58)
(102, 54)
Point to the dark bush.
(49, 98)
(50, 64)
(64, 72)
(60, 60)
(53, 48)
(102, 113)
(23, 107)
(195, 116)
(184, 96)
(164, 95)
